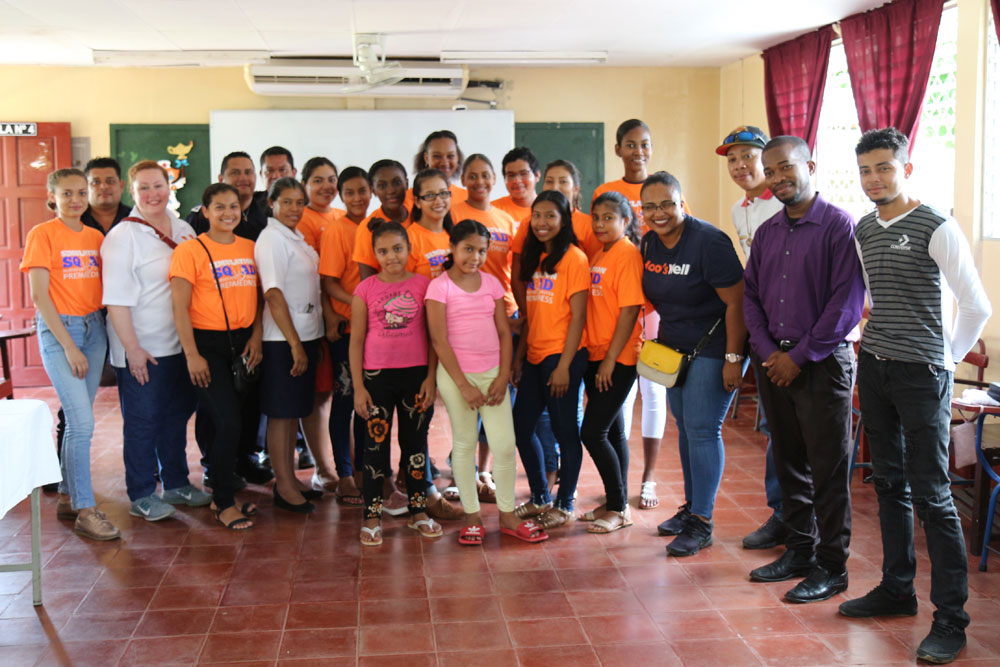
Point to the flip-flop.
(375, 533)
(415, 525)
(450, 492)
(648, 496)
(471, 535)
(354, 500)
(249, 509)
(528, 531)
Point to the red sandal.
(471, 535)
(528, 531)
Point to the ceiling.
(637, 33)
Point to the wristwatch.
(734, 358)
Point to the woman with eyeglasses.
(694, 279)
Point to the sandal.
(242, 523)
(486, 493)
(433, 529)
(603, 526)
(355, 500)
(375, 535)
(444, 510)
(591, 515)
(530, 509)
(528, 531)
(554, 518)
(450, 492)
(647, 497)
(471, 535)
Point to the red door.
(25, 162)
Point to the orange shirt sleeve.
(363, 253)
(549, 312)
(335, 259)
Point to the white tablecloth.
(27, 453)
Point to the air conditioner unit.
(340, 77)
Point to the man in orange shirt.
(520, 174)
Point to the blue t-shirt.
(680, 282)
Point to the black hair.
(625, 210)
(521, 153)
(382, 227)
(661, 178)
(887, 137)
(314, 163)
(462, 231)
(533, 248)
(477, 156)
(230, 156)
(627, 127)
(379, 165)
(354, 172)
(419, 163)
(277, 150)
(282, 184)
(573, 172)
(418, 182)
(103, 163)
(799, 146)
(214, 190)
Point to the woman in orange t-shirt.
(217, 335)
(63, 262)
(429, 241)
(389, 183)
(440, 151)
(319, 176)
(339, 273)
(551, 354)
(613, 338)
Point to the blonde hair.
(143, 165)
(52, 182)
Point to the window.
(933, 180)
(991, 134)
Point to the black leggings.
(395, 388)
(603, 431)
(224, 407)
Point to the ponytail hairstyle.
(627, 127)
(350, 173)
(311, 165)
(477, 156)
(533, 248)
(625, 210)
(420, 163)
(383, 227)
(52, 182)
(462, 231)
(385, 164)
(418, 184)
(215, 189)
(289, 183)
(573, 172)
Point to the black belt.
(786, 345)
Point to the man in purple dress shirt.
(803, 299)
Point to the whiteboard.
(359, 138)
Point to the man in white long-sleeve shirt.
(915, 260)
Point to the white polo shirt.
(136, 264)
(287, 262)
(749, 215)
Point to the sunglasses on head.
(744, 135)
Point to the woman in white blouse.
(156, 396)
(288, 268)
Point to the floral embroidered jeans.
(395, 389)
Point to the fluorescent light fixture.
(523, 57)
(178, 58)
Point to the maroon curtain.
(890, 51)
(996, 16)
(794, 79)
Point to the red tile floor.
(300, 591)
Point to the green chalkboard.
(183, 149)
(580, 143)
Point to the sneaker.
(942, 645)
(93, 523)
(770, 534)
(188, 494)
(151, 508)
(880, 602)
(695, 536)
(675, 524)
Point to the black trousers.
(811, 439)
(395, 390)
(224, 408)
(603, 431)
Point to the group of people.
(338, 323)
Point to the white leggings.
(654, 408)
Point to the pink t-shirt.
(397, 328)
(472, 332)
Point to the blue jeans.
(342, 409)
(907, 414)
(532, 396)
(154, 425)
(772, 487)
(699, 406)
(76, 396)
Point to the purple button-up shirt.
(803, 283)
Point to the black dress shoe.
(302, 508)
(821, 584)
(254, 471)
(770, 534)
(788, 565)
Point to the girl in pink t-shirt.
(392, 368)
(467, 319)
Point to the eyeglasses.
(431, 196)
(744, 135)
(666, 207)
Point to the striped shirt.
(912, 266)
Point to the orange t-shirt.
(428, 250)
(583, 228)
(615, 283)
(458, 193)
(234, 264)
(73, 260)
(518, 213)
(363, 252)
(313, 223)
(335, 259)
(547, 296)
(498, 257)
(632, 192)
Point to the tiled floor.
(300, 591)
